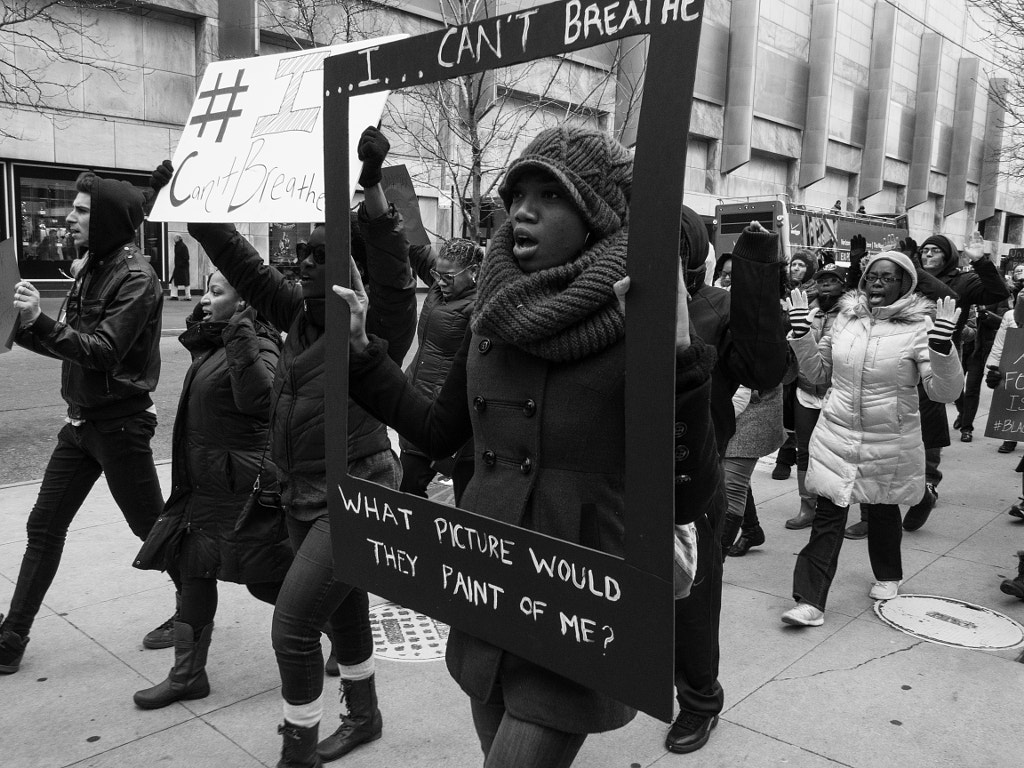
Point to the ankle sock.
(304, 715)
(360, 671)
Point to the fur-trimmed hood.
(912, 308)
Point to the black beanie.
(949, 251)
(693, 239)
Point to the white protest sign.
(252, 148)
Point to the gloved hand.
(858, 249)
(908, 246)
(940, 332)
(799, 313)
(373, 147)
(161, 175)
(993, 378)
(158, 179)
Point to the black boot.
(12, 648)
(748, 539)
(163, 636)
(1015, 586)
(362, 724)
(187, 678)
(730, 527)
(298, 746)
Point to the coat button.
(680, 428)
(526, 466)
(484, 346)
(682, 452)
(489, 458)
(479, 404)
(529, 407)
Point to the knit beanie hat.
(595, 170)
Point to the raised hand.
(372, 149)
(358, 302)
(799, 312)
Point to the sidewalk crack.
(856, 666)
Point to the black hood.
(950, 253)
(693, 247)
(115, 215)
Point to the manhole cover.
(950, 622)
(400, 634)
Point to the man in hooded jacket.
(107, 338)
(749, 335)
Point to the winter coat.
(745, 326)
(549, 450)
(442, 324)
(109, 341)
(759, 430)
(982, 285)
(298, 441)
(180, 274)
(220, 433)
(866, 446)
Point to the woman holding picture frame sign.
(549, 321)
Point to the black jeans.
(311, 597)
(970, 398)
(119, 448)
(508, 742)
(697, 618)
(816, 564)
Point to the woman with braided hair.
(547, 336)
(866, 447)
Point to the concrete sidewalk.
(854, 692)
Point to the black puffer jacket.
(298, 440)
(109, 340)
(219, 436)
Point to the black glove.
(158, 179)
(372, 149)
(908, 246)
(161, 175)
(993, 378)
(858, 249)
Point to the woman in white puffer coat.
(866, 447)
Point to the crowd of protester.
(844, 369)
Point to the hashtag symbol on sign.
(225, 115)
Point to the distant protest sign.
(398, 189)
(601, 620)
(1006, 416)
(252, 149)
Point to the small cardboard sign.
(398, 189)
(10, 276)
(604, 621)
(1006, 415)
(252, 148)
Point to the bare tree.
(312, 23)
(41, 53)
(1005, 35)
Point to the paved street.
(854, 692)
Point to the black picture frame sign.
(1006, 415)
(602, 621)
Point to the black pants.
(199, 597)
(119, 448)
(697, 618)
(816, 564)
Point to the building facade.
(888, 105)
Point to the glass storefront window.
(283, 239)
(43, 197)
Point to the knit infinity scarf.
(559, 314)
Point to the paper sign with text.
(252, 148)
(1006, 416)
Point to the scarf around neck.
(559, 314)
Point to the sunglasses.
(446, 277)
(319, 253)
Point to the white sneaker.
(884, 590)
(803, 615)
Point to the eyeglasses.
(871, 277)
(319, 253)
(930, 250)
(446, 277)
